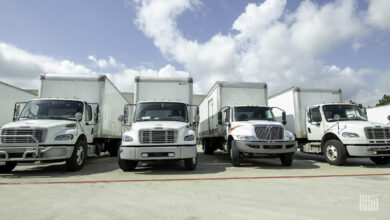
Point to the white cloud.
(378, 14)
(22, 69)
(272, 45)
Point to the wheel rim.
(80, 155)
(331, 152)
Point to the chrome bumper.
(264, 147)
(157, 152)
(368, 151)
(30, 152)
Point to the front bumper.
(172, 152)
(34, 153)
(264, 147)
(368, 150)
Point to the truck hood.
(159, 124)
(255, 123)
(38, 123)
(356, 125)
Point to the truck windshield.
(346, 113)
(52, 109)
(253, 113)
(161, 111)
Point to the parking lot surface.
(259, 189)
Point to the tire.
(286, 159)
(8, 167)
(335, 152)
(235, 154)
(79, 156)
(190, 163)
(208, 149)
(114, 147)
(127, 165)
(380, 160)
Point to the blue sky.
(53, 31)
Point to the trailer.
(160, 123)
(74, 117)
(9, 95)
(235, 117)
(380, 114)
(324, 125)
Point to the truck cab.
(253, 130)
(160, 130)
(341, 130)
(49, 130)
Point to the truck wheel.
(190, 163)
(208, 149)
(235, 154)
(114, 148)
(79, 155)
(286, 159)
(7, 167)
(380, 160)
(335, 152)
(127, 165)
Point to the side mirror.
(16, 112)
(364, 111)
(388, 117)
(309, 116)
(284, 118)
(121, 118)
(196, 118)
(336, 117)
(220, 118)
(78, 116)
(97, 115)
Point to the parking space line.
(192, 179)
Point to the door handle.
(309, 130)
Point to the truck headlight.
(64, 137)
(245, 138)
(127, 138)
(350, 135)
(189, 138)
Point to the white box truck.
(160, 128)
(380, 114)
(9, 95)
(235, 117)
(74, 117)
(324, 125)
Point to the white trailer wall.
(9, 95)
(301, 98)
(92, 89)
(228, 94)
(379, 114)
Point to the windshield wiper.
(56, 117)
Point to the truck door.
(89, 123)
(315, 127)
(211, 115)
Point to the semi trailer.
(235, 117)
(380, 114)
(9, 95)
(73, 118)
(160, 122)
(322, 124)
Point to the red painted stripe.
(192, 179)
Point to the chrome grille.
(378, 133)
(39, 134)
(157, 136)
(269, 132)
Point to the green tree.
(358, 104)
(384, 101)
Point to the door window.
(315, 115)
